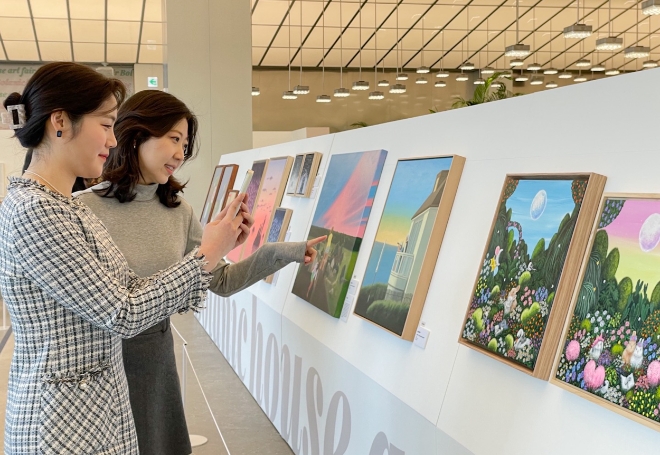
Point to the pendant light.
(376, 94)
(610, 43)
(551, 84)
(598, 67)
(522, 77)
(637, 51)
(383, 82)
(565, 74)
(651, 7)
(341, 92)
(423, 69)
(578, 30)
(462, 77)
(536, 80)
(650, 63)
(323, 98)
(397, 88)
(288, 94)
(487, 70)
(516, 62)
(256, 91)
(580, 78)
(442, 72)
(467, 66)
(517, 50)
(301, 89)
(360, 84)
(440, 84)
(533, 66)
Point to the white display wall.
(333, 387)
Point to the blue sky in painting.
(560, 202)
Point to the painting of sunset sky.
(342, 213)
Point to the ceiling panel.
(49, 8)
(87, 9)
(15, 8)
(152, 33)
(123, 32)
(269, 12)
(125, 10)
(21, 50)
(262, 35)
(151, 53)
(55, 51)
(52, 29)
(122, 53)
(88, 52)
(16, 29)
(153, 11)
(86, 31)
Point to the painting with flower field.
(530, 267)
(612, 342)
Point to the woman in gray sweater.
(154, 227)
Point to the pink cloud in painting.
(630, 220)
(347, 212)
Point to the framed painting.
(530, 267)
(259, 167)
(268, 199)
(226, 182)
(611, 342)
(278, 228)
(210, 195)
(308, 171)
(408, 242)
(295, 175)
(342, 213)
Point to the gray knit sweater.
(152, 237)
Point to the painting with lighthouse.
(407, 243)
(611, 345)
(523, 273)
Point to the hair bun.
(12, 99)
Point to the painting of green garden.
(522, 267)
(611, 347)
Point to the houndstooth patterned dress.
(72, 298)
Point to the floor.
(245, 428)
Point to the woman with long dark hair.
(139, 202)
(70, 292)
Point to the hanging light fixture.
(467, 66)
(487, 70)
(578, 30)
(442, 72)
(398, 89)
(565, 75)
(637, 51)
(288, 94)
(536, 80)
(550, 71)
(651, 7)
(421, 80)
(496, 85)
(479, 81)
(517, 50)
(360, 85)
(612, 72)
(598, 68)
(341, 92)
(301, 89)
(376, 94)
(580, 78)
(440, 84)
(583, 63)
(551, 84)
(533, 67)
(522, 77)
(384, 83)
(609, 43)
(323, 98)
(516, 63)
(256, 91)
(650, 64)
(462, 77)
(423, 69)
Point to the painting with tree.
(611, 345)
(530, 267)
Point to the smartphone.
(244, 187)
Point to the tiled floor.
(245, 427)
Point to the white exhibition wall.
(336, 387)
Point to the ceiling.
(441, 33)
(410, 33)
(91, 31)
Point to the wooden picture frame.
(524, 354)
(278, 229)
(411, 268)
(211, 194)
(612, 345)
(224, 186)
(303, 174)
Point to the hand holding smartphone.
(244, 187)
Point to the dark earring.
(59, 134)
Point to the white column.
(209, 67)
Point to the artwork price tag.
(350, 298)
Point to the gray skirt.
(155, 392)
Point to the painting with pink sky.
(342, 213)
(612, 346)
(268, 199)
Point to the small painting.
(278, 228)
(295, 175)
(530, 267)
(308, 173)
(211, 194)
(611, 346)
(342, 214)
(407, 243)
(226, 182)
